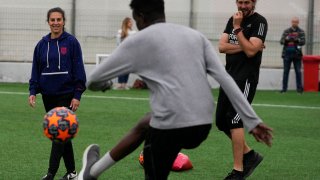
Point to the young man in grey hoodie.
(174, 62)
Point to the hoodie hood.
(47, 38)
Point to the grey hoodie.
(174, 62)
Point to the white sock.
(101, 165)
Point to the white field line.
(117, 97)
(286, 106)
(146, 99)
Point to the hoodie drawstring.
(48, 54)
(58, 53)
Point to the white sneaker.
(70, 176)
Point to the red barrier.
(311, 72)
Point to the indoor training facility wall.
(23, 23)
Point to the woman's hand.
(32, 101)
(75, 103)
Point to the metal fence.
(21, 29)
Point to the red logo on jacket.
(63, 50)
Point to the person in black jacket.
(292, 40)
(58, 75)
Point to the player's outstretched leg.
(250, 161)
(90, 156)
(132, 140)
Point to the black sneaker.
(283, 91)
(70, 176)
(48, 176)
(235, 175)
(90, 156)
(250, 161)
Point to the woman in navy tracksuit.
(58, 74)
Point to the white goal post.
(104, 57)
(101, 57)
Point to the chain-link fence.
(95, 28)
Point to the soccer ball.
(60, 124)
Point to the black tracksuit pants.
(58, 149)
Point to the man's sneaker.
(250, 161)
(70, 176)
(48, 176)
(90, 156)
(234, 175)
(283, 91)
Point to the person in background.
(292, 40)
(174, 61)
(58, 75)
(123, 33)
(242, 41)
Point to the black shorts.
(226, 116)
(162, 147)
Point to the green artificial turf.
(105, 117)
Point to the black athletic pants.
(162, 147)
(58, 149)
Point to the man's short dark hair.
(150, 9)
